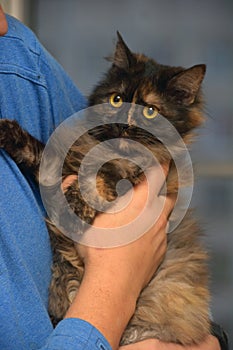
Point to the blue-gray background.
(176, 32)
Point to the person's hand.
(3, 22)
(114, 277)
(126, 261)
(211, 343)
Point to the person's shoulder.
(17, 30)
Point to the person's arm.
(114, 277)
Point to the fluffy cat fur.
(174, 307)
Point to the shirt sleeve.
(73, 333)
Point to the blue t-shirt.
(36, 91)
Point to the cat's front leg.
(109, 182)
(23, 148)
(67, 274)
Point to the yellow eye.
(116, 100)
(150, 112)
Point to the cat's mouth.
(126, 136)
(125, 130)
(131, 138)
(137, 134)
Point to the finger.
(163, 206)
(169, 204)
(67, 182)
(145, 192)
(156, 178)
(165, 167)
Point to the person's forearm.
(105, 304)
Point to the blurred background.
(174, 32)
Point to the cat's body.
(174, 307)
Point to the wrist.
(103, 302)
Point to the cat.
(174, 306)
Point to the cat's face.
(135, 80)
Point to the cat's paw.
(10, 135)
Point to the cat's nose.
(131, 113)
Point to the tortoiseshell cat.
(174, 307)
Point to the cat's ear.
(123, 58)
(184, 86)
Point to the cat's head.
(173, 92)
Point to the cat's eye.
(150, 112)
(116, 100)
